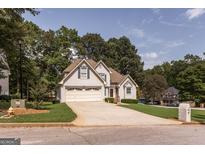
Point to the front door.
(117, 97)
(111, 92)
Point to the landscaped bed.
(168, 113)
(57, 113)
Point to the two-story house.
(87, 80)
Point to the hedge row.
(5, 105)
(131, 101)
(109, 100)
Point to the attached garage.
(83, 94)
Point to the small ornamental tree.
(38, 92)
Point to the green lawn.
(168, 113)
(57, 113)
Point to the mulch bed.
(23, 111)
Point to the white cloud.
(173, 24)
(194, 13)
(154, 40)
(147, 21)
(132, 31)
(141, 45)
(174, 44)
(156, 11)
(150, 55)
(137, 32)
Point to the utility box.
(18, 103)
(184, 112)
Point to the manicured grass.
(168, 113)
(57, 113)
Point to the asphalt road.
(137, 135)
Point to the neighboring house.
(87, 80)
(171, 96)
(4, 81)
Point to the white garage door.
(83, 95)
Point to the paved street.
(104, 114)
(172, 134)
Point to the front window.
(83, 72)
(103, 76)
(128, 89)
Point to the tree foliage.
(186, 74)
(154, 86)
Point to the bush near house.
(5, 97)
(29, 105)
(109, 100)
(129, 101)
(56, 101)
(5, 104)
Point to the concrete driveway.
(104, 114)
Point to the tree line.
(187, 75)
(45, 54)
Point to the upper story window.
(103, 76)
(83, 72)
(128, 90)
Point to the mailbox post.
(18, 103)
(184, 112)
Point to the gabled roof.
(101, 62)
(128, 76)
(76, 62)
(172, 90)
(115, 77)
(75, 65)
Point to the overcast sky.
(159, 34)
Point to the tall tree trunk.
(27, 89)
(17, 84)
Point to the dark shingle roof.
(172, 90)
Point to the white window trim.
(130, 90)
(103, 76)
(83, 72)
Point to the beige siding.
(122, 90)
(74, 81)
(101, 69)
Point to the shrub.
(29, 105)
(56, 101)
(109, 100)
(5, 97)
(5, 104)
(131, 101)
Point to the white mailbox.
(184, 112)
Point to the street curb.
(12, 125)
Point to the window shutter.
(78, 72)
(88, 75)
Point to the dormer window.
(103, 76)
